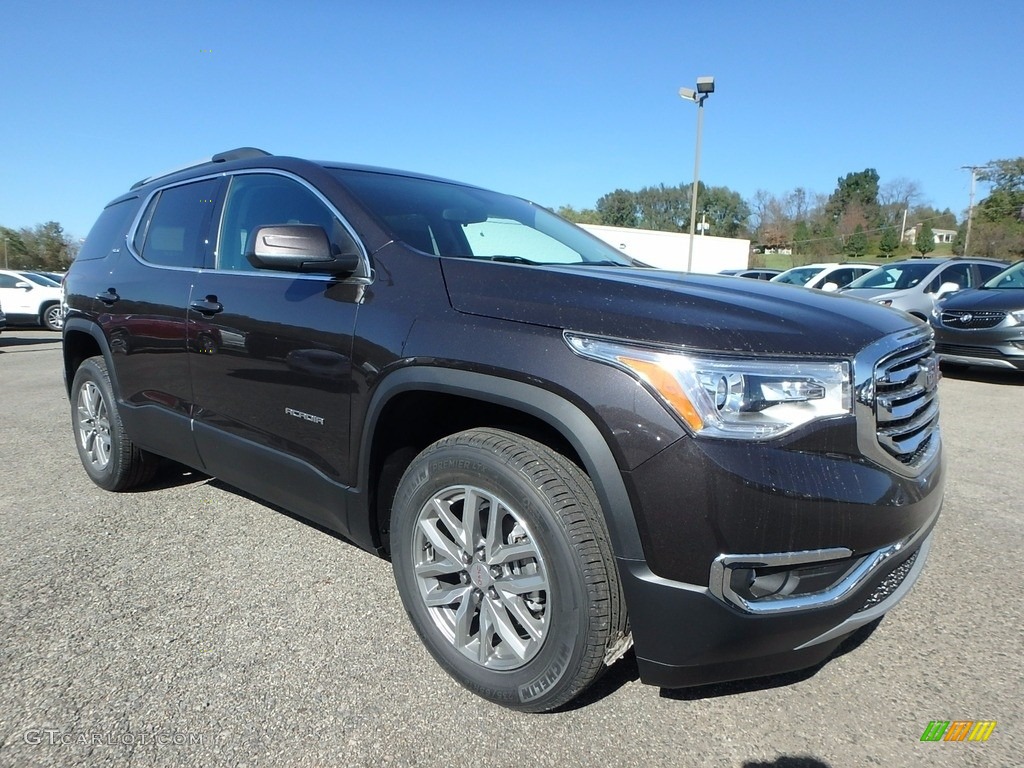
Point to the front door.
(270, 357)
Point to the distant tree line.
(44, 246)
(861, 217)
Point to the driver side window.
(256, 200)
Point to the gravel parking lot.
(189, 625)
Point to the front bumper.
(1000, 347)
(858, 533)
(698, 640)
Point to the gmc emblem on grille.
(930, 373)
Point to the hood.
(1008, 299)
(707, 312)
(870, 293)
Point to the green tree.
(889, 242)
(855, 189)
(925, 241)
(585, 216)
(666, 208)
(618, 209)
(727, 211)
(998, 225)
(856, 244)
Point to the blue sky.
(556, 102)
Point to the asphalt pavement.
(187, 624)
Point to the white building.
(669, 250)
(941, 235)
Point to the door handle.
(108, 297)
(208, 306)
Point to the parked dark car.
(562, 454)
(984, 326)
(753, 274)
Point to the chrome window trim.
(363, 276)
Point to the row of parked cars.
(975, 306)
(31, 298)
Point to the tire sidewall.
(91, 371)
(45, 318)
(545, 677)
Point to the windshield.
(1013, 277)
(894, 277)
(40, 279)
(798, 276)
(448, 219)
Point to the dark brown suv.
(561, 452)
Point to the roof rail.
(241, 153)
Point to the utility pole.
(970, 209)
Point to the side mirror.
(830, 287)
(23, 285)
(298, 248)
(947, 288)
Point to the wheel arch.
(493, 401)
(82, 340)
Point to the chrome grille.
(960, 318)
(906, 403)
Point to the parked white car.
(825, 277)
(29, 299)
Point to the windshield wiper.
(513, 260)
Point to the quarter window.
(175, 228)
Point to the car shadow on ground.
(9, 341)
(788, 761)
(983, 374)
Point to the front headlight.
(1018, 316)
(733, 397)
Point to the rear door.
(271, 356)
(143, 314)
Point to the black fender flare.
(82, 325)
(557, 412)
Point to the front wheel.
(503, 563)
(110, 458)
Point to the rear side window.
(175, 229)
(108, 233)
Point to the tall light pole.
(705, 87)
(970, 209)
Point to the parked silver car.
(914, 285)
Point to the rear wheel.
(110, 458)
(52, 317)
(503, 563)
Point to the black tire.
(541, 574)
(52, 317)
(110, 458)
